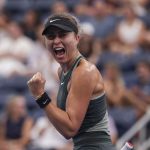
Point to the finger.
(29, 82)
(31, 79)
(39, 74)
(34, 78)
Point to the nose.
(56, 40)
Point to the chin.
(61, 61)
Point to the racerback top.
(94, 127)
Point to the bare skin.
(85, 82)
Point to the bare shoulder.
(86, 71)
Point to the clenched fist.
(36, 85)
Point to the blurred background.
(115, 37)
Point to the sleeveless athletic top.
(14, 129)
(94, 127)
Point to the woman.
(81, 106)
(16, 125)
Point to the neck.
(67, 66)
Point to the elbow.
(67, 137)
(69, 134)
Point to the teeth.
(58, 48)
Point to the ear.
(77, 38)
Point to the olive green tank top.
(64, 79)
(96, 119)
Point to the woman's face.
(62, 44)
(17, 107)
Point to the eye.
(51, 36)
(63, 34)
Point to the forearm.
(61, 120)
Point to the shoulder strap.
(76, 62)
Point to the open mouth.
(59, 51)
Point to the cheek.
(48, 46)
(71, 42)
(69, 48)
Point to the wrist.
(43, 100)
(37, 97)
